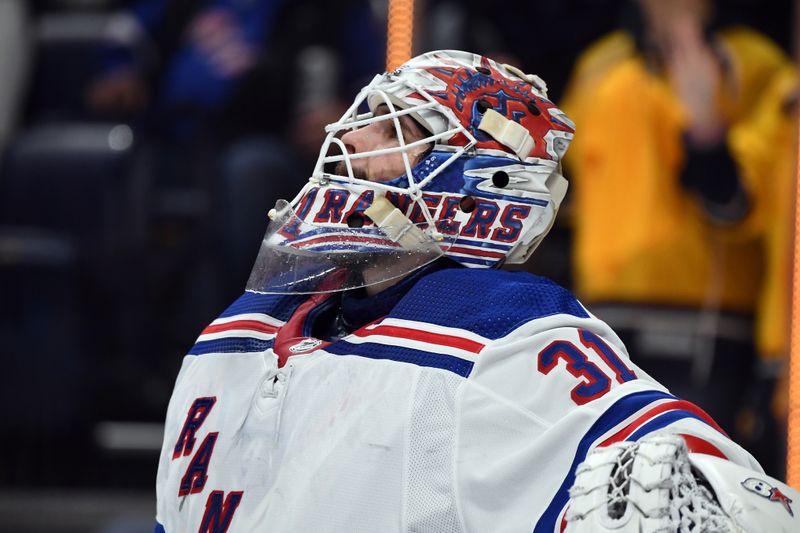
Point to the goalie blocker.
(655, 484)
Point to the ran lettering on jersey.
(220, 507)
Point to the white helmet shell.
(486, 191)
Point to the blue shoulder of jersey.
(489, 302)
(279, 306)
(240, 329)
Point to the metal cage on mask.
(381, 230)
(412, 184)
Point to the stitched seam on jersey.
(458, 398)
(404, 488)
(509, 403)
(503, 399)
(527, 320)
(580, 322)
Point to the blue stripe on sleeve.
(231, 345)
(459, 366)
(617, 413)
(664, 420)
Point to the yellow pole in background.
(400, 31)
(793, 422)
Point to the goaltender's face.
(377, 136)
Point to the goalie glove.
(656, 485)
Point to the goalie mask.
(452, 154)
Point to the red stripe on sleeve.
(423, 336)
(652, 413)
(253, 325)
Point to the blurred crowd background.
(142, 143)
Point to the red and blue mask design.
(484, 192)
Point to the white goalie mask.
(467, 166)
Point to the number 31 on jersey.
(594, 381)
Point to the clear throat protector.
(298, 257)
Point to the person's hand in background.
(695, 73)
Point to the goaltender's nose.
(363, 139)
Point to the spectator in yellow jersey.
(680, 174)
(769, 137)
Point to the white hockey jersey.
(467, 407)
